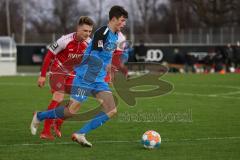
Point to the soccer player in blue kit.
(89, 79)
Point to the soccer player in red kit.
(60, 60)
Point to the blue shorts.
(81, 90)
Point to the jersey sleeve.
(58, 46)
(99, 38)
(121, 42)
(47, 60)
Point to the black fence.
(181, 54)
(30, 54)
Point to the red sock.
(59, 122)
(48, 122)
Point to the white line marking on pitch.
(211, 85)
(136, 141)
(228, 93)
(222, 95)
(17, 84)
(204, 95)
(193, 85)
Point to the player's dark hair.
(85, 20)
(117, 11)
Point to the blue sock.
(51, 114)
(96, 122)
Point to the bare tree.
(23, 39)
(146, 11)
(10, 15)
(214, 13)
(67, 13)
(42, 19)
(98, 9)
(8, 18)
(235, 14)
(4, 15)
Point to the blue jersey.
(97, 56)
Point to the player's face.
(120, 23)
(84, 31)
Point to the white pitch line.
(205, 95)
(230, 97)
(222, 95)
(207, 85)
(190, 94)
(193, 85)
(228, 93)
(112, 141)
(20, 84)
(17, 84)
(34, 144)
(208, 138)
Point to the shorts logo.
(100, 43)
(59, 85)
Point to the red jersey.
(64, 54)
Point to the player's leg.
(48, 123)
(62, 112)
(109, 109)
(68, 83)
(59, 96)
(124, 70)
(107, 102)
(56, 81)
(46, 132)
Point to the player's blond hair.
(85, 20)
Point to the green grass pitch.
(199, 120)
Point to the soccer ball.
(151, 139)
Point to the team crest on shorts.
(59, 85)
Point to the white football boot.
(34, 124)
(80, 138)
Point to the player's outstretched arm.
(47, 60)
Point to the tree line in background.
(145, 16)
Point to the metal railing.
(194, 36)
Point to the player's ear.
(114, 19)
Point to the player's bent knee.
(112, 112)
(58, 96)
(73, 106)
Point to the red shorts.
(61, 81)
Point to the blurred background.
(185, 35)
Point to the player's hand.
(41, 81)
